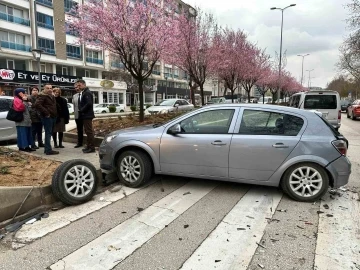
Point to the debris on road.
(320, 212)
(329, 215)
(250, 217)
(299, 227)
(140, 209)
(326, 206)
(2, 236)
(162, 189)
(31, 221)
(217, 261)
(241, 229)
(308, 223)
(180, 239)
(186, 226)
(282, 210)
(260, 245)
(274, 240)
(111, 247)
(261, 266)
(187, 193)
(101, 198)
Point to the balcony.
(156, 72)
(44, 25)
(14, 19)
(117, 65)
(15, 46)
(94, 60)
(73, 55)
(45, 3)
(47, 50)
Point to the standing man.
(78, 121)
(86, 114)
(46, 105)
(36, 125)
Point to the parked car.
(216, 100)
(104, 107)
(345, 103)
(7, 128)
(70, 107)
(245, 143)
(169, 105)
(353, 111)
(325, 101)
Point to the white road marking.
(64, 217)
(338, 241)
(234, 241)
(111, 248)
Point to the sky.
(315, 27)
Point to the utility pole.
(302, 66)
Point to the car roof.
(6, 97)
(263, 106)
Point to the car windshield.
(166, 102)
(320, 102)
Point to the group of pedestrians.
(49, 111)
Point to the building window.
(44, 20)
(46, 45)
(14, 15)
(13, 41)
(10, 64)
(94, 57)
(64, 71)
(87, 73)
(43, 68)
(70, 6)
(47, 3)
(73, 51)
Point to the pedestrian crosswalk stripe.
(234, 241)
(338, 241)
(111, 248)
(59, 219)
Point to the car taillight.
(340, 145)
(339, 115)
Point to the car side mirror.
(176, 105)
(175, 129)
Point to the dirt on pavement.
(22, 169)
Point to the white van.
(325, 101)
(265, 100)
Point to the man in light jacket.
(78, 121)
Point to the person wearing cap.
(23, 128)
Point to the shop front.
(11, 79)
(107, 91)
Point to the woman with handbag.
(62, 119)
(23, 128)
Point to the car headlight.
(164, 111)
(109, 138)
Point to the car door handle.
(280, 145)
(218, 143)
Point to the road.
(178, 223)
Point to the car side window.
(178, 102)
(269, 123)
(210, 122)
(5, 105)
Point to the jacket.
(46, 105)
(34, 114)
(62, 109)
(86, 106)
(75, 102)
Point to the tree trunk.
(202, 95)
(192, 94)
(273, 97)
(263, 95)
(248, 94)
(141, 97)
(232, 95)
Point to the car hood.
(138, 129)
(159, 108)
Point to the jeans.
(36, 130)
(48, 124)
(24, 138)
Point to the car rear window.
(320, 102)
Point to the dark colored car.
(345, 103)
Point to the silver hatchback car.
(7, 128)
(245, 143)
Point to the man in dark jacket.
(86, 114)
(46, 105)
(36, 125)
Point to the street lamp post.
(37, 55)
(281, 34)
(309, 70)
(302, 66)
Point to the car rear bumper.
(340, 170)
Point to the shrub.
(112, 109)
(133, 108)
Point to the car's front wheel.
(134, 168)
(305, 182)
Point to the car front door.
(262, 140)
(201, 149)
(7, 128)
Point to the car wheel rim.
(130, 169)
(79, 181)
(306, 181)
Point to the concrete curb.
(72, 138)
(39, 200)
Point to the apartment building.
(41, 24)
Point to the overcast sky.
(316, 27)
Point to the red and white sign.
(7, 74)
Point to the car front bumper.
(340, 170)
(106, 158)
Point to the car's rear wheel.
(347, 114)
(121, 110)
(103, 112)
(305, 182)
(134, 168)
(353, 116)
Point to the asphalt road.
(182, 223)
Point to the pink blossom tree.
(193, 52)
(138, 33)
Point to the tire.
(347, 114)
(294, 173)
(65, 192)
(103, 112)
(134, 161)
(122, 111)
(352, 116)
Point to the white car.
(71, 108)
(169, 105)
(104, 107)
(7, 128)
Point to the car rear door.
(262, 140)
